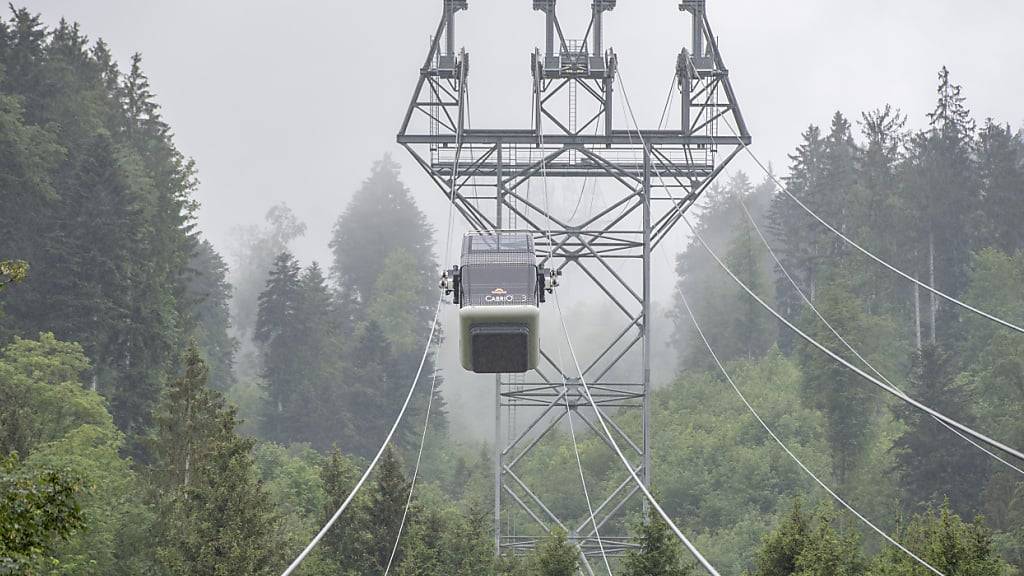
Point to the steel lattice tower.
(574, 136)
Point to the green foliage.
(946, 542)
(729, 317)
(933, 465)
(847, 401)
(253, 255)
(781, 548)
(382, 218)
(441, 539)
(42, 399)
(36, 510)
(209, 295)
(809, 545)
(555, 556)
(215, 516)
(347, 543)
(659, 552)
(12, 272)
(98, 199)
(386, 507)
(46, 414)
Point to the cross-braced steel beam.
(507, 179)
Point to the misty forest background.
(168, 409)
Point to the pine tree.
(796, 235)
(753, 329)
(386, 506)
(932, 463)
(840, 189)
(275, 332)
(829, 552)
(847, 402)
(209, 296)
(555, 556)
(1001, 177)
(215, 517)
(253, 256)
(348, 543)
(658, 553)
(946, 542)
(381, 218)
(943, 191)
(781, 548)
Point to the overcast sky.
(295, 101)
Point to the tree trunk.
(934, 304)
(917, 315)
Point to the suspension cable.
(860, 248)
(423, 359)
(846, 343)
(416, 468)
(793, 456)
(942, 417)
(583, 480)
(622, 457)
(373, 463)
(736, 388)
(565, 390)
(966, 429)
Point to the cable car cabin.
(498, 288)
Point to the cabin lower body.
(499, 339)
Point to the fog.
(295, 102)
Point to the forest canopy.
(167, 409)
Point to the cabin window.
(498, 284)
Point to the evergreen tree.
(275, 332)
(385, 509)
(753, 329)
(215, 517)
(373, 391)
(347, 544)
(209, 295)
(943, 191)
(781, 548)
(1001, 177)
(797, 233)
(731, 320)
(555, 556)
(946, 542)
(847, 402)
(933, 464)
(446, 540)
(381, 218)
(839, 190)
(828, 552)
(658, 553)
(255, 249)
(881, 212)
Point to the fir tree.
(275, 332)
(847, 402)
(386, 506)
(555, 556)
(933, 464)
(946, 542)
(209, 296)
(658, 553)
(215, 517)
